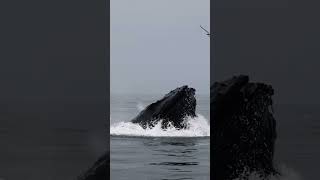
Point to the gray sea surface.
(148, 158)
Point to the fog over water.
(158, 45)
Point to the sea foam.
(197, 127)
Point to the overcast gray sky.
(157, 45)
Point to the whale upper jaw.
(172, 109)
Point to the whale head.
(172, 109)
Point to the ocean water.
(57, 144)
(154, 153)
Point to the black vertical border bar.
(107, 70)
(48, 52)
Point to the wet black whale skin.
(172, 108)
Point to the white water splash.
(197, 127)
(286, 174)
(140, 106)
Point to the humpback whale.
(171, 109)
(244, 129)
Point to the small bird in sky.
(208, 33)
